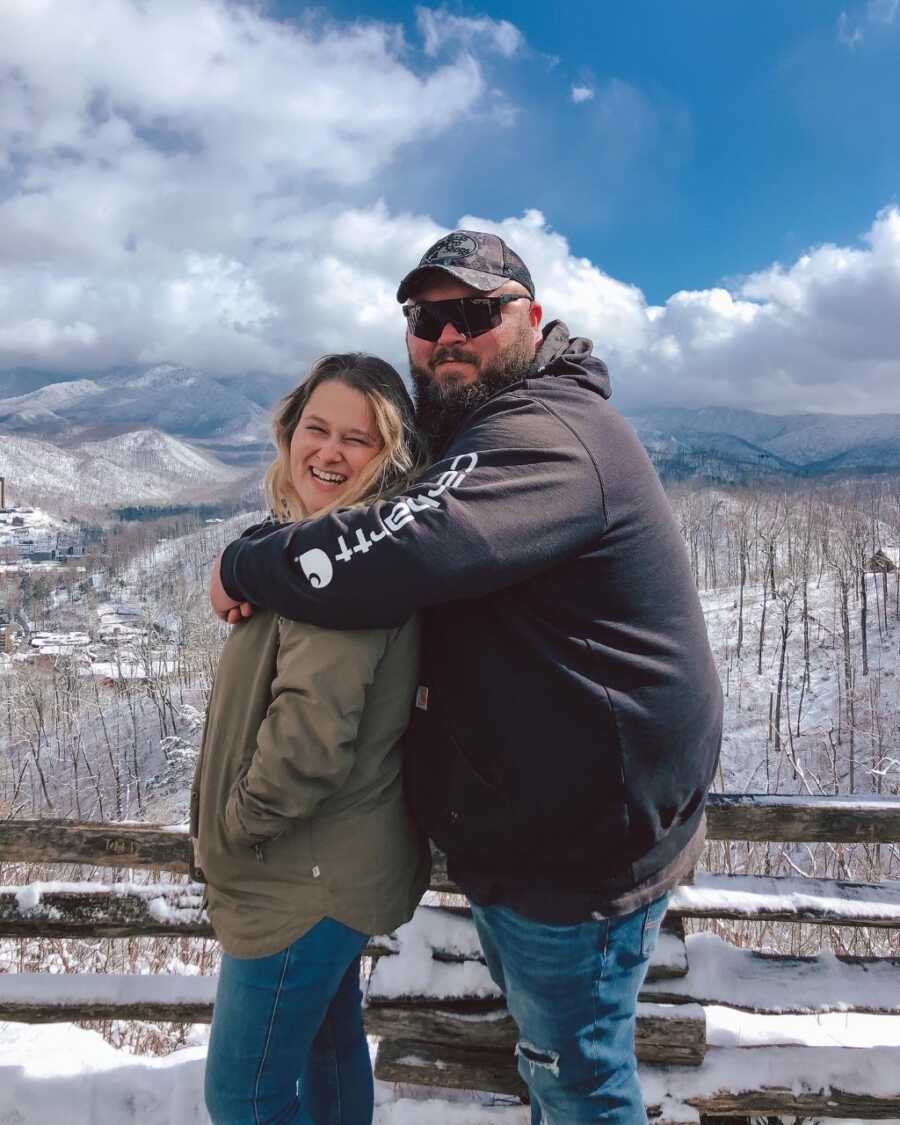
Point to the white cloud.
(441, 29)
(821, 333)
(167, 168)
(192, 184)
(582, 94)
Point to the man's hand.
(226, 608)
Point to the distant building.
(30, 535)
(880, 563)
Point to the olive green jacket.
(296, 808)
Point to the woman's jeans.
(287, 1041)
(572, 991)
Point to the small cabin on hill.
(880, 563)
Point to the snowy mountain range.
(141, 467)
(168, 434)
(155, 436)
(742, 445)
(180, 401)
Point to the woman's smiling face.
(335, 438)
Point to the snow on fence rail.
(125, 909)
(442, 1022)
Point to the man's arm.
(516, 494)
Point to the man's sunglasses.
(472, 316)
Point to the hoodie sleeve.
(516, 494)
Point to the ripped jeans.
(572, 991)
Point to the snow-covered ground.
(749, 761)
(59, 1072)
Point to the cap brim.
(484, 282)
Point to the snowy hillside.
(178, 400)
(818, 437)
(808, 651)
(144, 466)
(43, 406)
(28, 523)
(752, 443)
(155, 453)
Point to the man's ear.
(535, 314)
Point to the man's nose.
(450, 334)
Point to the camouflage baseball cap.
(481, 260)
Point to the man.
(568, 718)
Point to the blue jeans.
(287, 1041)
(572, 991)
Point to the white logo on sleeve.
(406, 509)
(316, 566)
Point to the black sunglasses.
(472, 316)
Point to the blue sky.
(709, 191)
(745, 132)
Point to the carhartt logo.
(316, 566)
(453, 246)
(422, 699)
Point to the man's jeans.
(287, 1041)
(572, 991)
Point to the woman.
(301, 830)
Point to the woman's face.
(335, 439)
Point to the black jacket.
(569, 716)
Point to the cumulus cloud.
(440, 28)
(167, 170)
(192, 185)
(821, 333)
(582, 94)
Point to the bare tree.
(785, 598)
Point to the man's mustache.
(459, 355)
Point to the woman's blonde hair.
(400, 458)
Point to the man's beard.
(441, 405)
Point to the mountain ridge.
(222, 427)
(683, 440)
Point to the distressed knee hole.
(538, 1057)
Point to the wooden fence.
(454, 1031)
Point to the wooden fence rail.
(733, 816)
